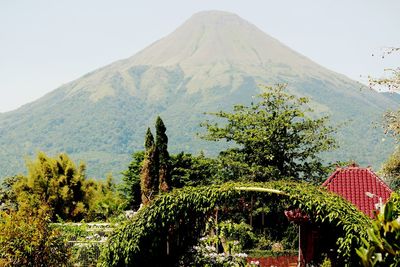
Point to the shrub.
(27, 239)
(382, 247)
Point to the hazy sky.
(44, 44)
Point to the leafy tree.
(150, 170)
(164, 160)
(275, 138)
(130, 187)
(104, 201)
(391, 170)
(154, 170)
(56, 182)
(8, 198)
(63, 187)
(191, 170)
(391, 123)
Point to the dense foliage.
(27, 239)
(104, 200)
(155, 173)
(194, 170)
(276, 137)
(390, 170)
(150, 169)
(164, 175)
(8, 197)
(164, 230)
(56, 182)
(64, 188)
(382, 246)
(130, 186)
(185, 170)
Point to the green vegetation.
(64, 188)
(8, 198)
(53, 190)
(198, 210)
(275, 138)
(27, 239)
(155, 173)
(104, 200)
(186, 170)
(164, 175)
(382, 246)
(391, 125)
(55, 182)
(177, 221)
(85, 241)
(191, 170)
(391, 170)
(130, 187)
(149, 182)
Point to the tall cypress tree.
(162, 147)
(149, 173)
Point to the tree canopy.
(275, 137)
(130, 186)
(56, 182)
(62, 186)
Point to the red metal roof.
(360, 186)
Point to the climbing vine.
(163, 231)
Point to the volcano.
(211, 62)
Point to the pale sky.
(46, 43)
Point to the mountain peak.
(214, 17)
(212, 48)
(216, 37)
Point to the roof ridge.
(381, 181)
(330, 178)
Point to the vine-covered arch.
(162, 232)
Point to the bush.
(27, 239)
(239, 233)
(382, 247)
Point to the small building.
(360, 186)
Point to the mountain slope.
(214, 60)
